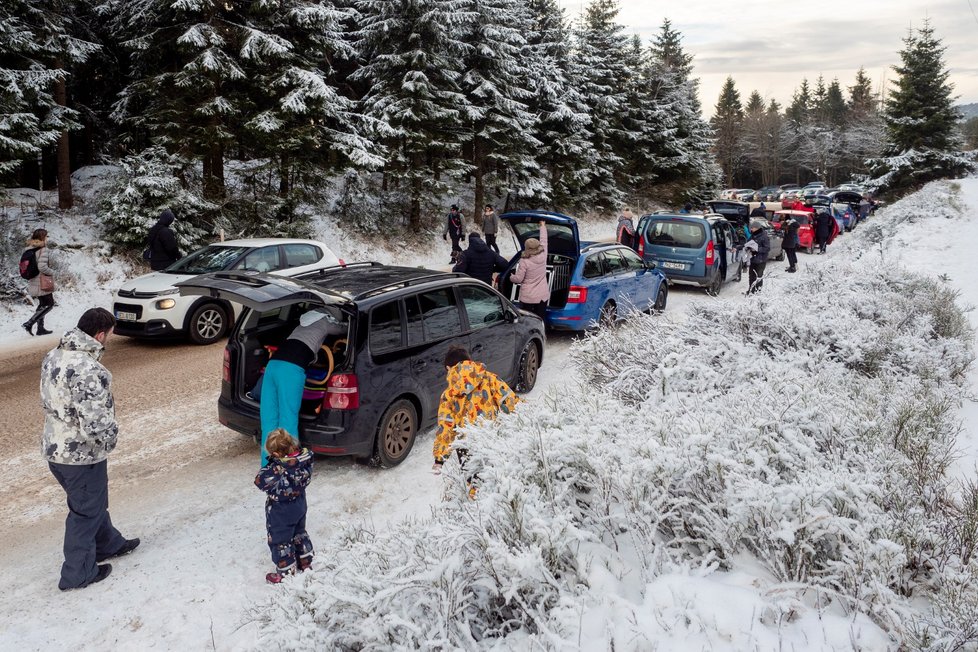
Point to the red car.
(806, 228)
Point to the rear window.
(678, 233)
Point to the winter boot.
(305, 563)
(40, 327)
(277, 577)
(28, 326)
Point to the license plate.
(668, 265)
(125, 316)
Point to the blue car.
(590, 282)
(703, 250)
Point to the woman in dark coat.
(823, 228)
(162, 244)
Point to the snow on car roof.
(264, 242)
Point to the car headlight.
(165, 304)
(168, 292)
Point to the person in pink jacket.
(531, 275)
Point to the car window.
(615, 262)
(483, 307)
(632, 260)
(678, 233)
(432, 316)
(415, 328)
(592, 266)
(263, 259)
(385, 327)
(299, 254)
(213, 258)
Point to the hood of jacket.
(78, 340)
(477, 244)
(166, 218)
(468, 377)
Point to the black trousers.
(538, 309)
(821, 244)
(491, 241)
(88, 529)
(792, 255)
(756, 276)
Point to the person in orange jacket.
(473, 392)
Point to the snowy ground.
(194, 581)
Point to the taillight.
(577, 294)
(342, 392)
(641, 246)
(226, 371)
(710, 253)
(342, 262)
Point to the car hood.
(562, 233)
(154, 282)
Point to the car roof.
(591, 247)
(364, 280)
(265, 242)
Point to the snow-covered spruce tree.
(685, 155)
(920, 118)
(37, 48)
(412, 64)
(562, 126)
(151, 183)
(499, 128)
(727, 124)
(599, 42)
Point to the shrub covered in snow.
(793, 447)
(914, 168)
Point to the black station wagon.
(381, 382)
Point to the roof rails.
(333, 268)
(396, 285)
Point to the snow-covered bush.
(913, 168)
(151, 183)
(12, 240)
(788, 453)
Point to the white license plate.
(125, 316)
(673, 265)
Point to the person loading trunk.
(531, 275)
(758, 260)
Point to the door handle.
(420, 364)
(477, 348)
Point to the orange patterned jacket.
(472, 392)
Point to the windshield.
(212, 258)
(684, 234)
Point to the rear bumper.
(345, 437)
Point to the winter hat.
(762, 205)
(756, 224)
(454, 207)
(687, 206)
(532, 248)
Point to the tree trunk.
(214, 172)
(480, 188)
(65, 197)
(417, 188)
(283, 176)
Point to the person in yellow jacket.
(473, 392)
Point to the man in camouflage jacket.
(80, 431)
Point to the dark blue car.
(590, 282)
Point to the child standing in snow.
(285, 479)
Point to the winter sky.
(769, 45)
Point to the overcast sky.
(769, 46)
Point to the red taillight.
(641, 246)
(226, 371)
(342, 262)
(342, 392)
(710, 253)
(577, 294)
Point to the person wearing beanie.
(479, 261)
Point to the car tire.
(713, 289)
(208, 323)
(661, 297)
(396, 433)
(529, 365)
(609, 315)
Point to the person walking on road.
(35, 267)
(285, 479)
(760, 251)
(625, 232)
(490, 227)
(80, 431)
(479, 261)
(455, 231)
(531, 275)
(162, 243)
(790, 242)
(824, 223)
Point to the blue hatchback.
(590, 282)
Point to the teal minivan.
(703, 250)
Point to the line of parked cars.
(383, 377)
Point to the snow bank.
(762, 474)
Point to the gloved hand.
(444, 236)
(436, 468)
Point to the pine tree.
(499, 128)
(603, 83)
(413, 66)
(563, 122)
(862, 100)
(727, 123)
(920, 109)
(836, 112)
(800, 109)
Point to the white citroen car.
(149, 306)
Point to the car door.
(492, 338)
(260, 259)
(645, 284)
(621, 280)
(434, 324)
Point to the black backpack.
(28, 264)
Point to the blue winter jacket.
(285, 479)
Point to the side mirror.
(650, 264)
(511, 316)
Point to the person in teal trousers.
(285, 373)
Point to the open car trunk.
(559, 270)
(563, 250)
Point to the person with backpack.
(35, 268)
(625, 232)
(454, 229)
(162, 243)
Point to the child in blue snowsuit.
(285, 479)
